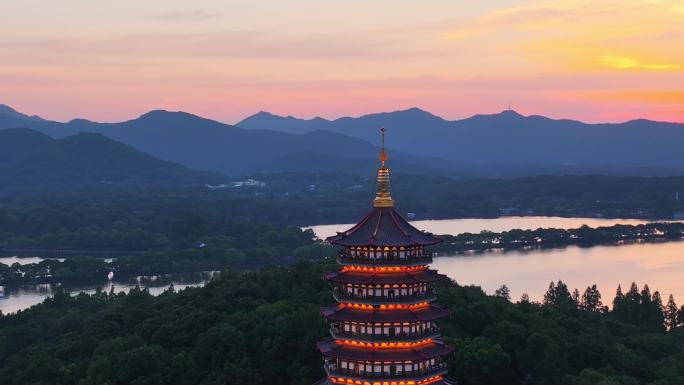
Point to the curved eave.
(356, 277)
(341, 313)
(334, 349)
(383, 226)
(325, 381)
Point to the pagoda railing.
(425, 296)
(346, 259)
(338, 333)
(333, 370)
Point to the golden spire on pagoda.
(382, 196)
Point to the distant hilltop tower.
(383, 326)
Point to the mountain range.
(511, 142)
(206, 144)
(506, 144)
(30, 158)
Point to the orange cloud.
(624, 63)
(639, 96)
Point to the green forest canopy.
(261, 328)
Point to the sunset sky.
(607, 60)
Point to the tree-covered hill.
(261, 328)
(29, 158)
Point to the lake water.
(9, 261)
(660, 265)
(475, 225)
(26, 296)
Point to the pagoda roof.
(343, 313)
(368, 278)
(331, 348)
(383, 226)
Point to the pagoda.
(383, 326)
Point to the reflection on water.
(475, 225)
(13, 299)
(661, 265)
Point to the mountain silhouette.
(30, 157)
(206, 144)
(516, 143)
(9, 111)
(505, 144)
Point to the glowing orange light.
(427, 381)
(362, 306)
(384, 269)
(386, 345)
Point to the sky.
(596, 61)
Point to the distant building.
(508, 211)
(238, 184)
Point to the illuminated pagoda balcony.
(383, 327)
(385, 371)
(379, 277)
(384, 332)
(417, 257)
(414, 298)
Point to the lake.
(9, 261)
(660, 265)
(475, 225)
(26, 296)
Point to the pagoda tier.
(384, 325)
(348, 351)
(374, 256)
(376, 315)
(344, 381)
(380, 277)
(384, 332)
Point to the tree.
(503, 292)
(619, 298)
(576, 297)
(680, 316)
(654, 317)
(525, 298)
(483, 362)
(558, 296)
(591, 300)
(671, 313)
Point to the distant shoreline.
(557, 238)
